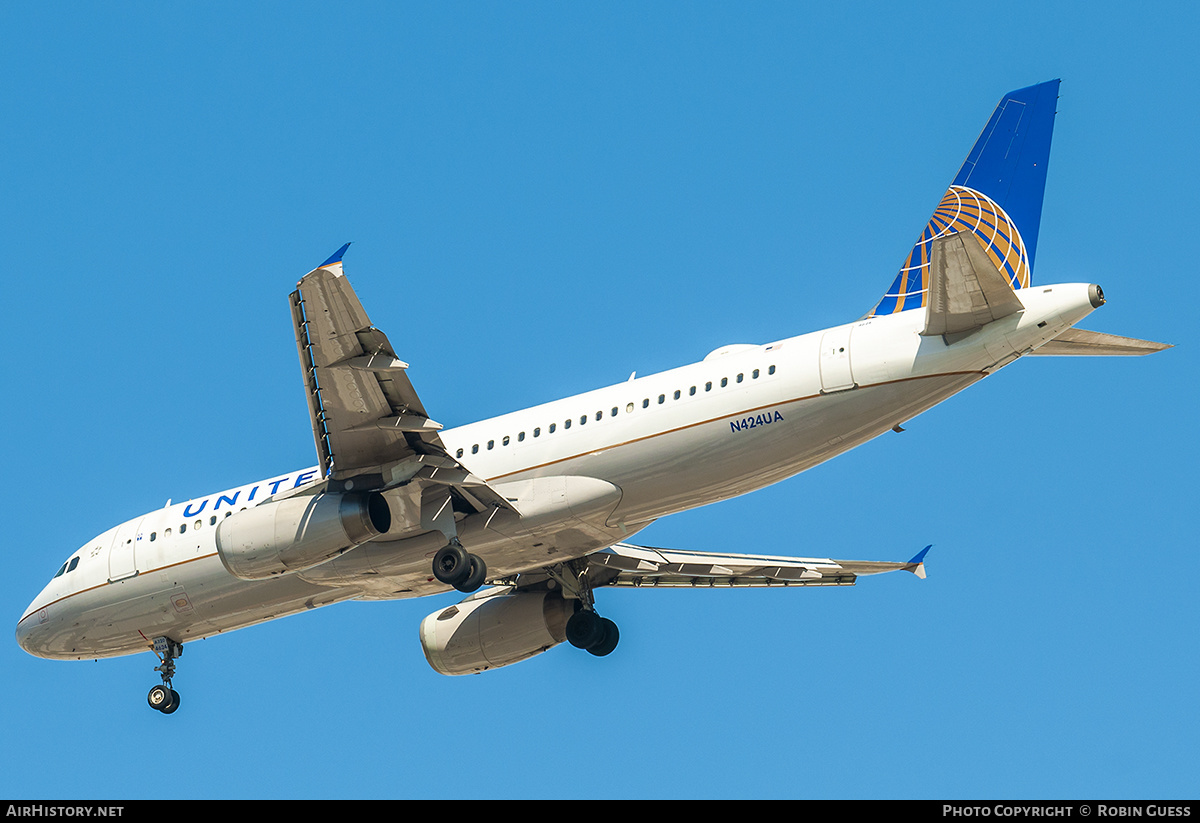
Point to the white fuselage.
(741, 419)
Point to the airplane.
(539, 505)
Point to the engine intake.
(299, 532)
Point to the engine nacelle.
(298, 532)
(494, 630)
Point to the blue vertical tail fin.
(997, 194)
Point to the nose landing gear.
(164, 698)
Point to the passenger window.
(599, 415)
(662, 398)
(646, 403)
(504, 442)
(771, 370)
(582, 419)
(708, 386)
(739, 378)
(197, 525)
(692, 391)
(724, 382)
(212, 521)
(521, 437)
(475, 449)
(182, 528)
(459, 453)
(567, 423)
(491, 445)
(553, 426)
(153, 536)
(677, 394)
(167, 533)
(755, 374)
(628, 409)
(537, 432)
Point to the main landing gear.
(453, 566)
(589, 631)
(586, 629)
(164, 698)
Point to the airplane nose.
(25, 631)
(29, 634)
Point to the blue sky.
(544, 197)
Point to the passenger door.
(122, 554)
(835, 360)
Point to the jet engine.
(494, 629)
(298, 532)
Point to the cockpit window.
(67, 567)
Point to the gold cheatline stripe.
(722, 417)
(110, 582)
(543, 465)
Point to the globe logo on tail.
(961, 209)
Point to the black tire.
(584, 629)
(174, 703)
(452, 564)
(608, 641)
(159, 698)
(475, 578)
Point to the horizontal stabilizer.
(966, 289)
(1083, 343)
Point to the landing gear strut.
(453, 566)
(164, 698)
(586, 629)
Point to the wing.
(624, 564)
(370, 427)
(628, 565)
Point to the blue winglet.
(336, 257)
(917, 564)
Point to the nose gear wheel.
(164, 698)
